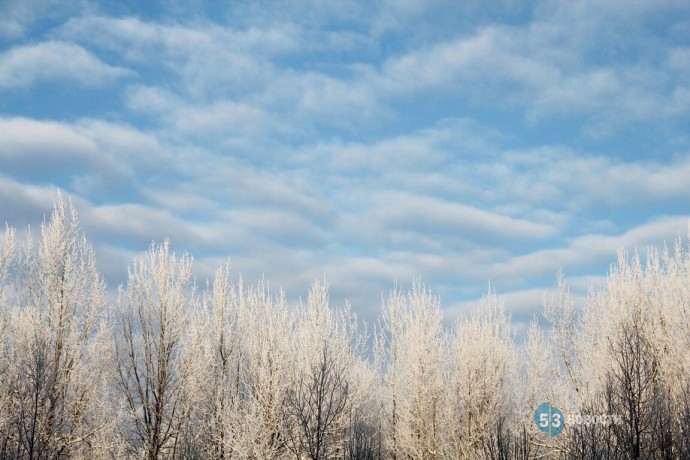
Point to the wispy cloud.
(563, 63)
(55, 60)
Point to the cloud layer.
(368, 144)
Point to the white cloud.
(16, 16)
(10, 29)
(68, 155)
(225, 116)
(209, 59)
(54, 60)
(557, 178)
(136, 38)
(91, 157)
(226, 69)
(441, 65)
(152, 100)
(584, 252)
(552, 65)
(434, 216)
(123, 142)
(524, 303)
(24, 204)
(140, 224)
(32, 139)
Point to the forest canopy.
(230, 370)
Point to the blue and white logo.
(549, 419)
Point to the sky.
(466, 143)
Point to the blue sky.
(465, 143)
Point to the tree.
(7, 254)
(361, 441)
(629, 359)
(152, 368)
(55, 343)
(633, 388)
(324, 392)
(237, 373)
(414, 347)
(265, 374)
(481, 366)
(216, 336)
(315, 405)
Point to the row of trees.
(232, 371)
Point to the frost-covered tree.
(325, 392)
(152, 368)
(7, 254)
(637, 345)
(315, 406)
(238, 373)
(265, 373)
(626, 354)
(54, 343)
(480, 393)
(215, 341)
(413, 342)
